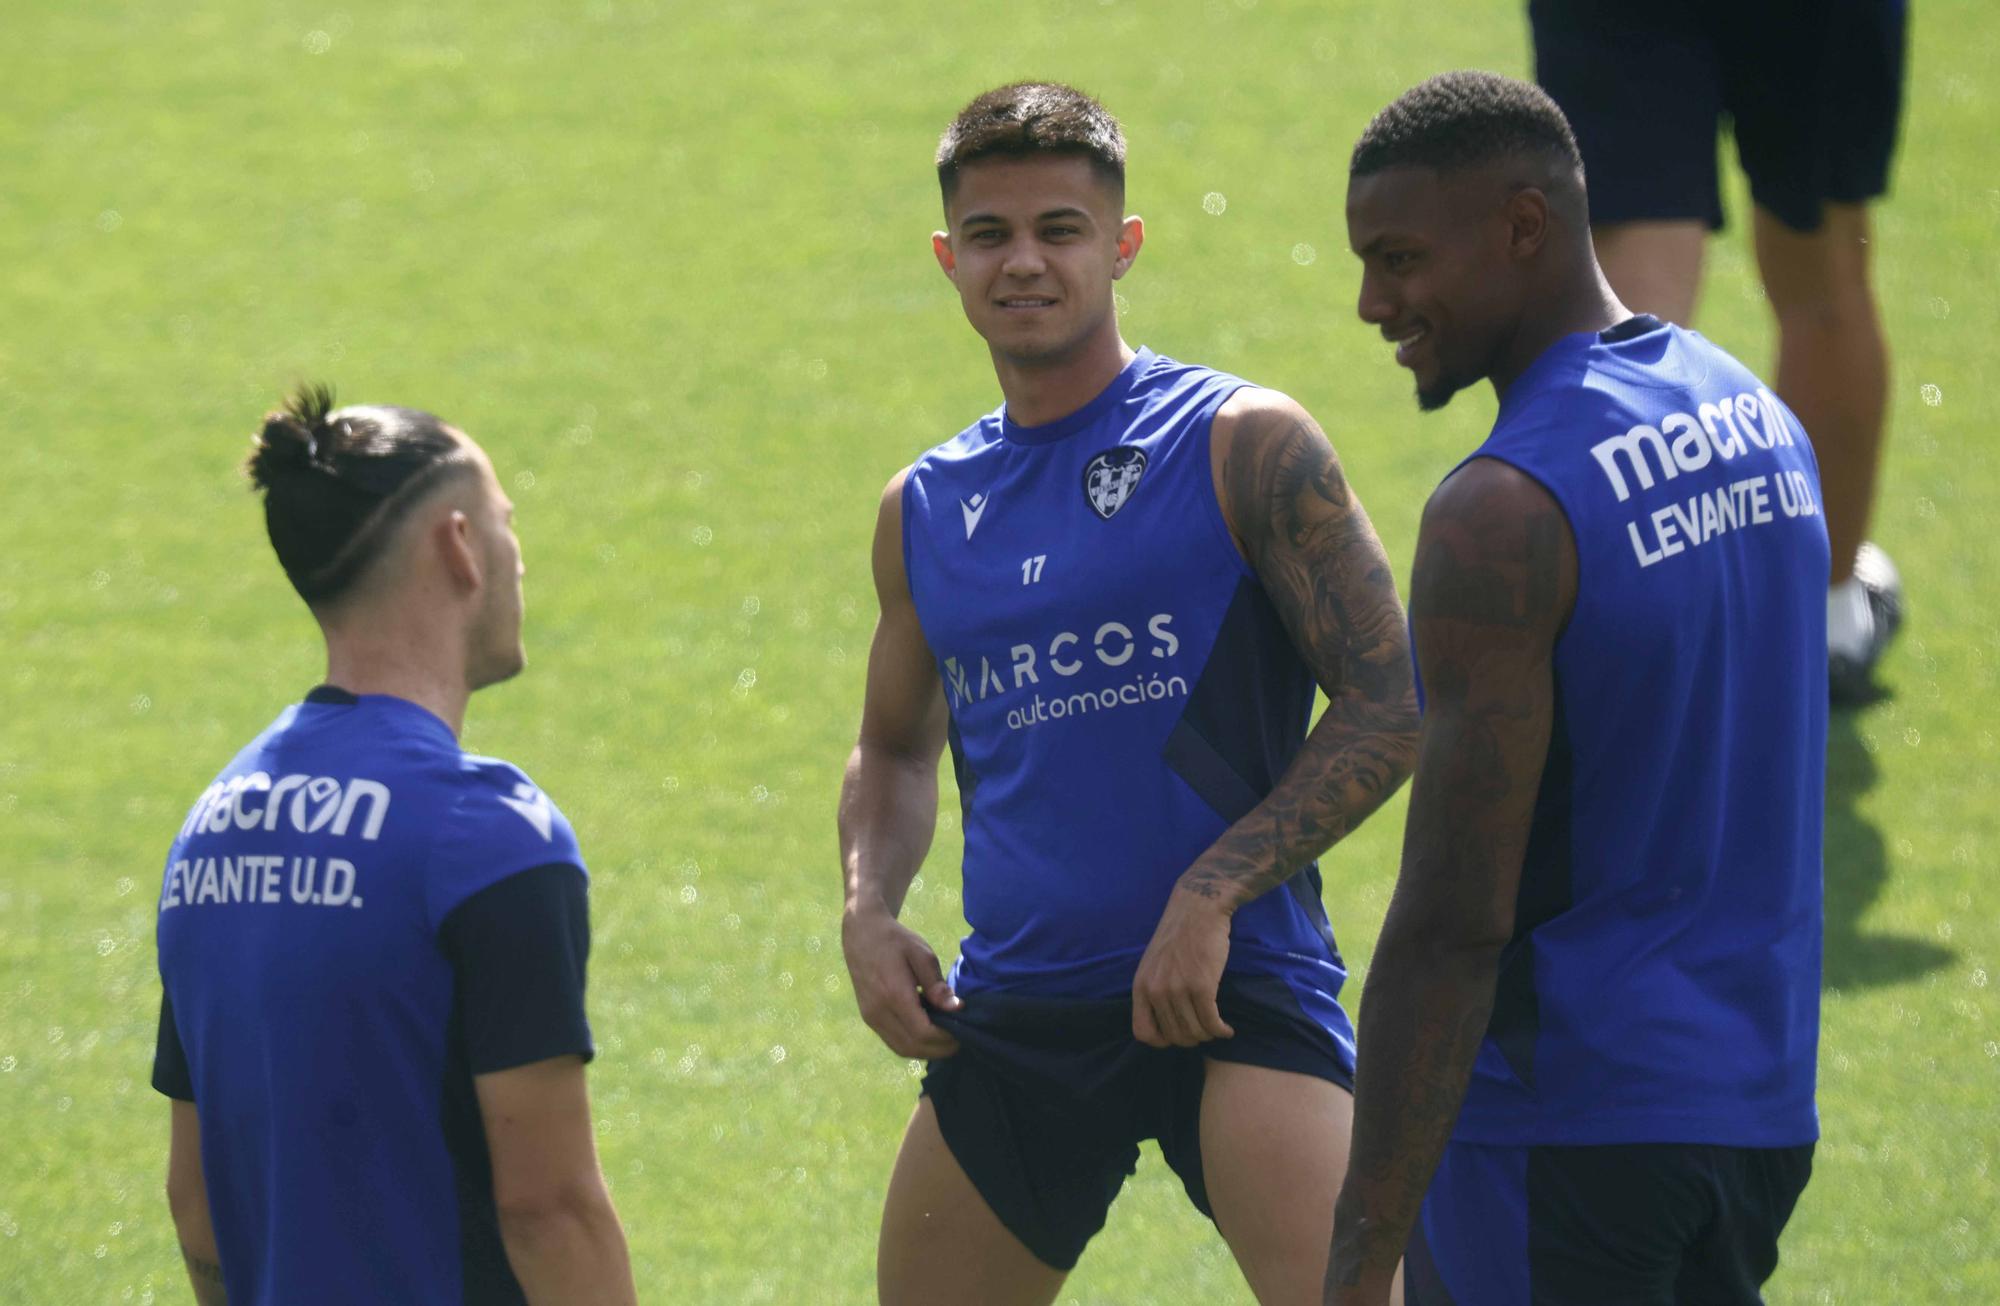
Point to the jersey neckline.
(1064, 427)
(1634, 328)
(1630, 329)
(335, 696)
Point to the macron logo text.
(311, 804)
(1684, 442)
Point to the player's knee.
(1818, 277)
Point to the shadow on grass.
(1857, 870)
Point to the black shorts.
(1653, 1224)
(1814, 89)
(1047, 1100)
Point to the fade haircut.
(1027, 119)
(1466, 120)
(337, 481)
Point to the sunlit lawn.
(669, 263)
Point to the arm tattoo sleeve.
(1317, 556)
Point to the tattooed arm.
(187, 1199)
(1300, 526)
(1494, 582)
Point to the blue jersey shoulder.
(499, 824)
(975, 439)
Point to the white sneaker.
(1863, 614)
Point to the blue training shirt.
(358, 917)
(1663, 981)
(1121, 689)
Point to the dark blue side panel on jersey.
(1245, 723)
(1210, 774)
(961, 770)
(1546, 890)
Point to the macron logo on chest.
(973, 509)
(533, 807)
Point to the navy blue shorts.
(1653, 1224)
(1813, 88)
(1047, 1100)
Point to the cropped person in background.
(372, 944)
(1813, 90)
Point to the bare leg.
(1654, 267)
(1273, 1150)
(1833, 364)
(940, 1241)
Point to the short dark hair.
(1464, 120)
(1029, 118)
(336, 482)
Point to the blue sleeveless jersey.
(1663, 980)
(1121, 689)
(310, 1010)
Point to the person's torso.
(1663, 982)
(1120, 687)
(298, 942)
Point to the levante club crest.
(1110, 478)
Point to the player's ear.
(941, 246)
(1527, 221)
(459, 551)
(1131, 235)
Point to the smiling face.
(1034, 246)
(1441, 271)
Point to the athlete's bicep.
(186, 1185)
(187, 1202)
(1307, 536)
(1494, 581)
(518, 949)
(538, 1133)
(903, 711)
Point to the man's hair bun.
(335, 482)
(289, 442)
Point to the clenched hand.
(895, 975)
(1173, 995)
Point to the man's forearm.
(572, 1253)
(205, 1273)
(888, 814)
(1424, 1011)
(1360, 751)
(187, 1204)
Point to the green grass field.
(669, 263)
